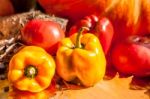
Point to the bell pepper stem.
(30, 71)
(78, 39)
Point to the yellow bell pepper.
(81, 58)
(31, 69)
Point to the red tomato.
(45, 34)
(100, 26)
(133, 56)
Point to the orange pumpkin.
(72, 9)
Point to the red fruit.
(133, 56)
(45, 34)
(104, 31)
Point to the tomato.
(72, 9)
(100, 26)
(45, 34)
(133, 56)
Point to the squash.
(72, 9)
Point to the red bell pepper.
(100, 26)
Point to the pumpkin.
(128, 16)
(72, 9)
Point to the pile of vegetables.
(111, 32)
(79, 58)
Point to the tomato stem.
(78, 39)
(30, 71)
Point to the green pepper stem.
(78, 39)
(30, 71)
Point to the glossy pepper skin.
(31, 69)
(99, 26)
(82, 58)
